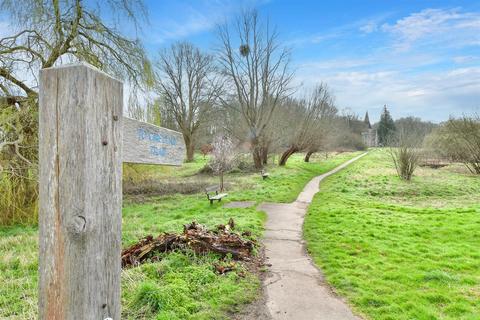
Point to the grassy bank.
(399, 250)
(181, 285)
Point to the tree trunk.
(221, 181)
(264, 155)
(286, 155)
(257, 159)
(190, 146)
(256, 153)
(308, 155)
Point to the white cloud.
(447, 27)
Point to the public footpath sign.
(147, 143)
(83, 140)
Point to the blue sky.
(420, 58)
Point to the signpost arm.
(80, 153)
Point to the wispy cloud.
(365, 26)
(196, 17)
(448, 27)
(193, 22)
(369, 27)
(466, 59)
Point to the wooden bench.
(212, 194)
(264, 174)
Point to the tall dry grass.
(18, 200)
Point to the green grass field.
(181, 285)
(399, 250)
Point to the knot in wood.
(78, 224)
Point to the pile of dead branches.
(196, 237)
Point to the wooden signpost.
(83, 140)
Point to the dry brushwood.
(196, 237)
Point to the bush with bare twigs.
(406, 153)
(459, 140)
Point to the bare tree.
(223, 157)
(258, 70)
(189, 87)
(309, 122)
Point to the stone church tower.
(369, 136)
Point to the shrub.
(459, 140)
(405, 153)
(406, 160)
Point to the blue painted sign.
(147, 143)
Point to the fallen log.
(196, 237)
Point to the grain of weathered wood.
(80, 141)
(147, 143)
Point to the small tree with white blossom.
(223, 156)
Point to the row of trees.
(244, 90)
(408, 128)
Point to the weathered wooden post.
(82, 135)
(80, 157)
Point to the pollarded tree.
(189, 87)
(309, 120)
(257, 68)
(386, 127)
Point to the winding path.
(296, 289)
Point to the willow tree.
(257, 67)
(189, 87)
(42, 34)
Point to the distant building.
(369, 136)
